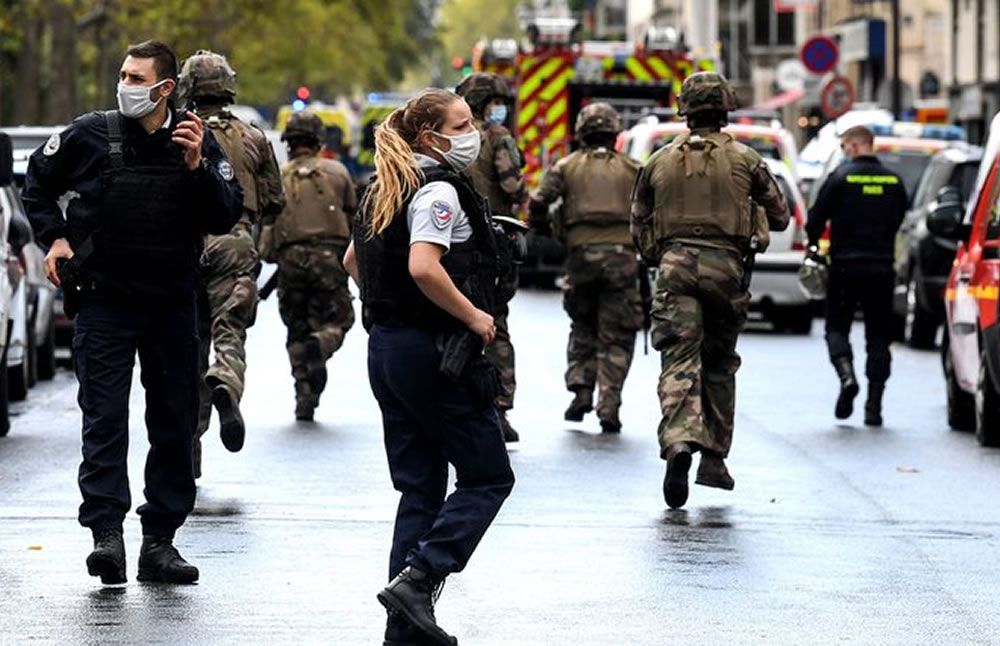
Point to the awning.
(781, 100)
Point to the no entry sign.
(837, 97)
(819, 54)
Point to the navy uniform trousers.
(430, 421)
(109, 333)
(864, 285)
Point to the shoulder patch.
(52, 145)
(442, 212)
(226, 170)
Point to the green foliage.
(464, 22)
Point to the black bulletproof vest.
(389, 294)
(146, 242)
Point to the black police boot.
(712, 472)
(675, 481)
(583, 403)
(231, 426)
(108, 558)
(411, 594)
(509, 434)
(873, 407)
(160, 561)
(610, 422)
(848, 388)
(400, 632)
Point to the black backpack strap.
(113, 119)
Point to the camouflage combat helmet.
(705, 91)
(597, 117)
(303, 125)
(479, 88)
(205, 75)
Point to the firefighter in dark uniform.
(425, 256)
(864, 203)
(149, 183)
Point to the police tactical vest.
(598, 186)
(314, 207)
(702, 189)
(390, 296)
(145, 234)
(229, 133)
(483, 174)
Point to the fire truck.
(555, 76)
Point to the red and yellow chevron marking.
(543, 110)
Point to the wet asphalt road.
(835, 534)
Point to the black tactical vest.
(146, 242)
(390, 296)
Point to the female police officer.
(425, 257)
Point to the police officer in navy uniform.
(148, 183)
(864, 203)
(425, 257)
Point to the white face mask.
(497, 114)
(134, 101)
(464, 149)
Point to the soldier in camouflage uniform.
(230, 264)
(308, 240)
(601, 291)
(692, 216)
(497, 175)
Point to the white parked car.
(774, 288)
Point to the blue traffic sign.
(820, 54)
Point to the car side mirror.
(947, 214)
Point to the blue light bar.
(914, 130)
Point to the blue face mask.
(497, 114)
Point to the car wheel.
(797, 320)
(961, 405)
(921, 327)
(46, 355)
(4, 407)
(987, 406)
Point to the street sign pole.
(897, 100)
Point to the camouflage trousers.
(501, 352)
(317, 308)
(697, 314)
(601, 296)
(227, 306)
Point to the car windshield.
(964, 178)
(909, 165)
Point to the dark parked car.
(923, 260)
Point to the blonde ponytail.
(397, 174)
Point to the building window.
(763, 16)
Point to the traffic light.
(463, 65)
(301, 96)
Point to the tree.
(464, 22)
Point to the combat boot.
(411, 594)
(400, 632)
(304, 411)
(108, 558)
(231, 426)
(160, 561)
(873, 407)
(583, 403)
(610, 422)
(848, 388)
(675, 481)
(509, 434)
(712, 472)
